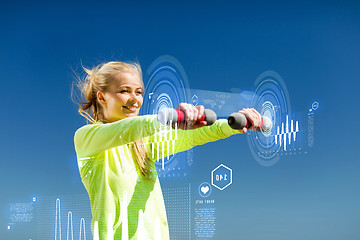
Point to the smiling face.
(123, 98)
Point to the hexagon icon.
(315, 105)
(221, 177)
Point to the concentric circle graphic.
(167, 87)
(271, 99)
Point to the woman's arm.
(168, 142)
(94, 138)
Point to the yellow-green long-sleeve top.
(125, 204)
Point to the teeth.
(132, 108)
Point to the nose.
(132, 98)
(132, 95)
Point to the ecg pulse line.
(285, 133)
(57, 219)
(110, 232)
(69, 229)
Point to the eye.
(123, 91)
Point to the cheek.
(122, 100)
(140, 101)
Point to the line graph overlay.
(60, 217)
(69, 229)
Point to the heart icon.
(205, 189)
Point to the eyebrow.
(131, 87)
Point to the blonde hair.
(97, 79)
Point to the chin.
(132, 114)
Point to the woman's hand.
(192, 114)
(253, 117)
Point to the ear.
(101, 98)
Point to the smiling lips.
(131, 108)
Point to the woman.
(117, 150)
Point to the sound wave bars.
(283, 135)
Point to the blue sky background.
(313, 45)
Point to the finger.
(182, 126)
(257, 122)
(252, 117)
(185, 108)
(188, 113)
(201, 111)
(195, 113)
(248, 114)
(180, 106)
(199, 124)
(256, 113)
(191, 113)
